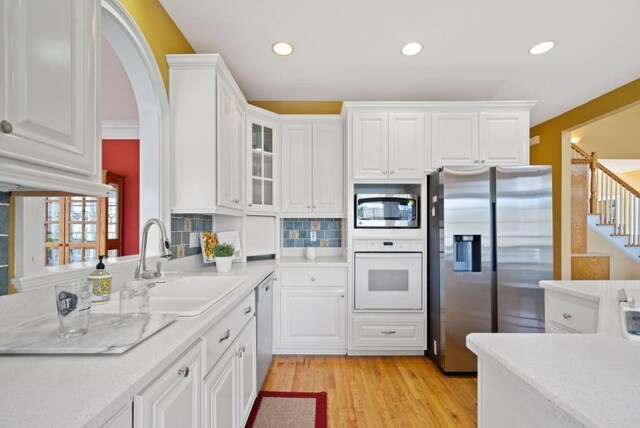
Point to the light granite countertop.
(70, 391)
(584, 379)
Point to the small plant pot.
(223, 264)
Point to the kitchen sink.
(185, 297)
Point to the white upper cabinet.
(470, 138)
(504, 138)
(312, 169)
(263, 157)
(327, 168)
(370, 145)
(297, 168)
(388, 145)
(208, 126)
(48, 95)
(455, 138)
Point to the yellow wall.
(549, 151)
(614, 137)
(632, 177)
(162, 34)
(300, 107)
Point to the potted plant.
(224, 256)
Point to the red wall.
(122, 157)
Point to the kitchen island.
(562, 380)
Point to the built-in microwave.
(388, 211)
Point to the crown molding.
(120, 130)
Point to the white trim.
(286, 119)
(120, 130)
(438, 105)
(35, 179)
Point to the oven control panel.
(388, 245)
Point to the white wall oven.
(388, 275)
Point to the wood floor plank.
(379, 391)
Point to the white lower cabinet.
(311, 310)
(175, 399)
(230, 389)
(566, 313)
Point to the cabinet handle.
(239, 354)
(483, 161)
(243, 349)
(341, 294)
(266, 288)
(388, 332)
(313, 278)
(477, 161)
(184, 372)
(308, 207)
(225, 337)
(566, 316)
(6, 127)
(314, 207)
(247, 311)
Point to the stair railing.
(612, 198)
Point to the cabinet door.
(328, 169)
(175, 398)
(262, 172)
(504, 138)
(313, 318)
(370, 145)
(247, 389)
(454, 139)
(297, 169)
(406, 145)
(48, 87)
(221, 393)
(226, 146)
(239, 159)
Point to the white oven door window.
(388, 281)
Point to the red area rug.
(289, 409)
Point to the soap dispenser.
(101, 282)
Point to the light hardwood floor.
(379, 391)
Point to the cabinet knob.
(392, 172)
(308, 207)
(566, 316)
(6, 127)
(247, 311)
(250, 204)
(477, 161)
(225, 337)
(341, 294)
(483, 161)
(313, 278)
(384, 172)
(314, 207)
(184, 372)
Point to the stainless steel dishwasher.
(264, 314)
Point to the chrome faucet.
(165, 251)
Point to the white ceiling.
(473, 50)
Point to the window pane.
(256, 169)
(268, 166)
(90, 232)
(52, 256)
(75, 255)
(75, 232)
(89, 254)
(268, 192)
(53, 211)
(268, 140)
(91, 211)
(112, 253)
(53, 232)
(256, 137)
(75, 210)
(256, 194)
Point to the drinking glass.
(73, 300)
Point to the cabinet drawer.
(222, 335)
(388, 334)
(316, 276)
(575, 314)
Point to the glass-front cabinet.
(263, 161)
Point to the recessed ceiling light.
(541, 48)
(411, 48)
(282, 48)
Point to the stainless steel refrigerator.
(490, 242)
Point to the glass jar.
(134, 299)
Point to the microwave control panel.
(388, 245)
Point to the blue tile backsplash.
(181, 226)
(4, 243)
(296, 232)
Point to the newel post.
(593, 194)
